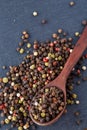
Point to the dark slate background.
(16, 16)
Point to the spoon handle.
(79, 48)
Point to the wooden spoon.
(60, 81)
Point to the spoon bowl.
(53, 83)
(60, 81)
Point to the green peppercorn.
(14, 118)
(21, 109)
(7, 121)
(5, 80)
(21, 51)
(43, 76)
(43, 114)
(71, 87)
(20, 101)
(32, 67)
(20, 128)
(68, 101)
(46, 90)
(60, 58)
(52, 56)
(35, 117)
(11, 108)
(25, 114)
(46, 63)
(74, 95)
(28, 45)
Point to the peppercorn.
(72, 3)
(31, 75)
(28, 45)
(7, 121)
(20, 128)
(35, 13)
(78, 122)
(84, 68)
(3, 67)
(77, 102)
(5, 80)
(84, 22)
(44, 21)
(54, 35)
(26, 35)
(43, 114)
(21, 51)
(77, 34)
(60, 31)
(77, 113)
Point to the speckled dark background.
(16, 16)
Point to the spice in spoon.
(47, 104)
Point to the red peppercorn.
(51, 44)
(2, 106)
(25, 78)
(34, 81)
(35, 46)
(68, 49)
(39, 68)
(54, 63)
(14, 114)
(45, 59)
(57, 49)
(51, 71)
(86, 56)
(28, 108)
(78, 71)
(55, 42)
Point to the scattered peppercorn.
(44, 21)
(32, 74)
(77, 34)
(77, 113)
(83, 67)
(78, 122)
(21, 51)
(72, 3)
(84, 22)
(35, 13)
(5, 80)
(3, 67)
